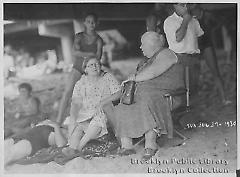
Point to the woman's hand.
(123, 82)
(130, 78)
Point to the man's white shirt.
(189, 43)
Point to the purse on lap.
(129, 87)
(128, 91)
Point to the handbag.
(128, 91)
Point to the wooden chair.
(180, 92)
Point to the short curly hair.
(85, 62)
(26, 86)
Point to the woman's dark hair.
(26, 86)
(91, 14)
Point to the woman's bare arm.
(99, 48)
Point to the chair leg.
(140, 141)
(180, 135)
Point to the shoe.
(125, 152)
(148, 153)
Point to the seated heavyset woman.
(87, 120)
(149, 115)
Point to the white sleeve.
(170, 29)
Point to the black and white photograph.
(120, 87)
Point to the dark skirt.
(150, 111)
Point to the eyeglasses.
(92, 65)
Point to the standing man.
(182, 32)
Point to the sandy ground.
(210, 149)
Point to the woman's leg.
(126, 147)
(13, 152)
(150, 140)
(126, 143)
(92, 132)
(150, 145)
(74, 141)
(76, 136)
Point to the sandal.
(148, 153)
(125, 152)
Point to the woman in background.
(28, 111)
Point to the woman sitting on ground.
(87, 120)
(28, 111)
(149, 115)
